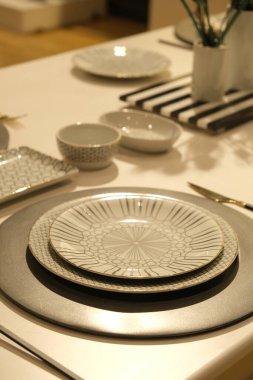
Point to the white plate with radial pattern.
(136, 236)
(120, 62)
(49, 259)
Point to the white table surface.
(53, 94)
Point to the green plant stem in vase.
(210, 60)
(208, 34)
(236, 4)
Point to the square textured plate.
(24, 170)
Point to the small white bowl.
(88, 146)
(143, 131)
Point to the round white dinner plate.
(49, 259)
(136, 236)
(120, 62)
(143, 131)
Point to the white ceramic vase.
(240, 57)
(209, 72)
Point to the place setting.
(116, 250)
(126, 252)
(131, 253)
(134, 253)
(126, 214)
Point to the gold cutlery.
(4, 117)
(219, 197)
(175, 44)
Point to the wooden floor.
(16, 48)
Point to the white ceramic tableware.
(209, 76)
(121, 62)
(24, 170)
(47, 257)
(136, 236)
(143, 131)
(88, 146)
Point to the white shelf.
(34, 15)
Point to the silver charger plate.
(136, 236)
(222, 301)
(120, 62)
(23, 170)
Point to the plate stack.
(133, 242)
(129, 262)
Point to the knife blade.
(219, 197)
(175, 44)
(4, 137)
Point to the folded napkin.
(173, 99)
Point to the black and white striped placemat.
(173, 99)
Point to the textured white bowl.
(143, 131)
(88, 146)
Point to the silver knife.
(39, 354)
(219, 197)
(4, 138)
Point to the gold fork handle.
(248, 206)
(11, 118)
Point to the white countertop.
(54, 94)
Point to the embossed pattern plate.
(46, 256)
(24, 170)
(136, 236)
(120, 62)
